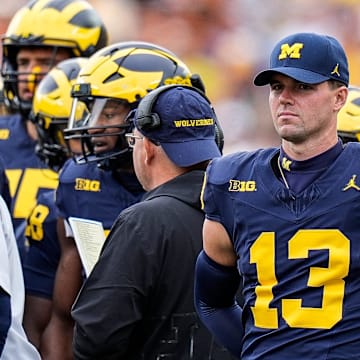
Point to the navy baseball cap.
(187, 126)
(309, 58)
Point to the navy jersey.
(27, 174)
(44, 250)
(85, 191)
(299, 257)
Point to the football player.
(284, 221)
(50, 113)
(41, 34)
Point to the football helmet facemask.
(118, 77)
(51, 111)
(53, 24)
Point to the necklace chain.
(282, 173)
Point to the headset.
(147, 119)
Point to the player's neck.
(308, 150)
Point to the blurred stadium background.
(227, 42)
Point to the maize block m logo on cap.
(307, 57)
(292, 51)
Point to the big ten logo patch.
(242, 186)
(87, 185)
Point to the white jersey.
(17, 346)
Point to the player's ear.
(341, 96)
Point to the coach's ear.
(149, 149)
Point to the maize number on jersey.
(331, 279)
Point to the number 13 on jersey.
(331, 279)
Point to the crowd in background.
(227, 42)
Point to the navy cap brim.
(305, 76)
(189, 153)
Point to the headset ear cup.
(155, 121)
(148, 122)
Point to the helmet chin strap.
(109, 161)
(122, 162)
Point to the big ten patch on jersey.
(87, 192)
(82, 184)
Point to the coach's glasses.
(131, 138)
